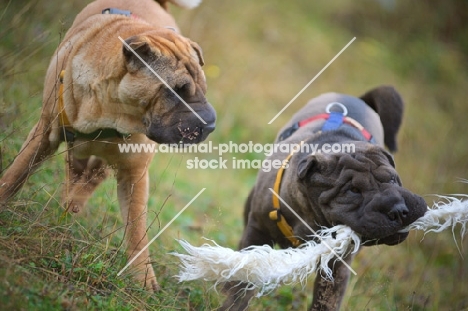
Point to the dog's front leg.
(238, 296)
(83, 177)
(329, 294)
(132, 192)
(238, 293)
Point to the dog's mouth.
(388, 230)
(195, 134)
(181, 133)
(190, 135)
(393, 239)
(386, 224)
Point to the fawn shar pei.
(332, 184)
(105, 96)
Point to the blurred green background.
(258, 55)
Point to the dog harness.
(119, 12)
(69, 134)
(334, 119)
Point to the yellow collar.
(63, 119)
(275, 215)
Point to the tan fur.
(106, 86)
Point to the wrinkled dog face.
(178, 61)
(363, 191)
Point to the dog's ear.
(138, 45)
(387, 102)
(389, 157)
(380, 152)
(304, 166)
(312, 163)
(198, 52)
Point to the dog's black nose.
(209, 128)
(205, 130)
(209, 120)
(398, 212)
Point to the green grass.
(258, 55)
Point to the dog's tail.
(387, 102)
(188, 4)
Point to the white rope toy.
(265, 268)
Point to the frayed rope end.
(264, 268)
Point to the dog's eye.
(393, 180)
(183, 90)
(354, 190)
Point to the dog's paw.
(148, 280)
(74, 205)
(75, 201)
(155, 287)
(74, 208)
